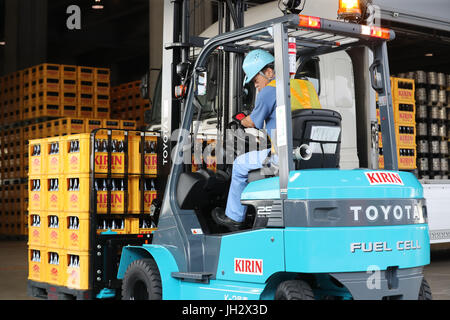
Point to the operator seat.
(321, 130)
(318, 128)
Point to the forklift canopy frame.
(314, 36)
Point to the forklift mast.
(176, 63)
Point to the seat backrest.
(321, 130)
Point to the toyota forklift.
(313, 231)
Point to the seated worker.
(258, 68)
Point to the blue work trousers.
(242, 165)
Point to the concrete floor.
(14, 271)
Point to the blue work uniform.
(264, 111)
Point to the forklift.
(313, 231)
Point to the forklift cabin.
(194, 194)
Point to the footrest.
(193, 276)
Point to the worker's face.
(261, 81)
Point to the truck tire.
(425, 291)
(142, 281)
(294, 290)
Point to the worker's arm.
(247, 122)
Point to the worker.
(259, 69)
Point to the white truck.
(342, 82)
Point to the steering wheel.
(236, 131)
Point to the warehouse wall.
(25, 34)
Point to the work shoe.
(219, 217)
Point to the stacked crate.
(405, 124)
(432, 124)
(54, 90)
(59, 194)
(42, 101)
(126, 102)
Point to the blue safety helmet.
(254, 62)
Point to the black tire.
(142, 281)
(425, 291)
(294, 290)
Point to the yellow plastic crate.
(150, 156)
(48, 70)
(111, 124)
(107, 224)
(37, 256)
(76, 232)
(404, 162)
(36, 227)
(55, 193)
(37, 196)
(137, 226)
(71, 126)
(54, 151)
(48, 103)
(85, 87)
(128, 124)
(92, 124)
(76, 270)
(403, 140)
(76, 153)
(117, 158)
(55, 266)
(102, 75)
(402, 89)
(48, 84)
(54, 230)
(136, 191)
(85, 73)
(36, 157)
(402, 117)
(76, 194)
(117, 200)
(68, 72)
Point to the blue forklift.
(313, 231)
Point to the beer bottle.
(152, 182)
(113, 185)
(114, 145)
(76, 184)
(152, 147)
(96, 146)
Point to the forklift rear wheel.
(142, 281)
(294, 290)
(425, 291)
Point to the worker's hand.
(247, 122)
(240, 117)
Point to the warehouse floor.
(14, 271)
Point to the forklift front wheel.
(294, 290)
(425, 291)
(142, 281)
